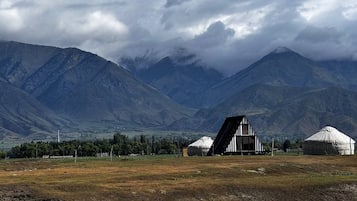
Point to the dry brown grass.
(172, 178)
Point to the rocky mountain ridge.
(84, 88)
(47, 88)
(180, 76)
(283, 93)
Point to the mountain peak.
(280, 50)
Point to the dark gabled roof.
(225, 135)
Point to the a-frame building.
(236, 136)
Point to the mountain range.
(22, 114)
(282, 110)
(180, 76)
(79, 87)
(283, 93)
(282, 67)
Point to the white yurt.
(200, 147)
(328, 141)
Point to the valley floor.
(183, 179)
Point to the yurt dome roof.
(331, 135)
(203, 142)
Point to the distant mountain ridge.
(84, 88)
(21, 113)
(283, 93)
(279, 68)
(180, 77)
(282, 111)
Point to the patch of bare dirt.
(343, 192)
(20, 193)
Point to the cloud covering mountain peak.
(228, 35)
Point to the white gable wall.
(232, 147)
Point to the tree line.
(118, 145)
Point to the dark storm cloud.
(227, 35)
(317, 35)
(324, 43)
(170, 3)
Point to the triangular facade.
(236, 136)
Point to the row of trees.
(119, 145)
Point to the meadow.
(181, 178)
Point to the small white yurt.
(200, 147)
(328, 141)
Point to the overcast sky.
(225, 34)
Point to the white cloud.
(215, 35)
(248, 22)
(10, 18)
(350, 10)
(313, 9)
(95, 25)
(226, 34)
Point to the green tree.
(103, 145)
(89, 149)
(286, 145)
(43, 149)
(15, 152)
(2, 154)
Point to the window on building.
(244, 129)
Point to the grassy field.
(177, 178)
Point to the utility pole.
(272, 147)
(58, 136)
(111, 153)
(152, 144)
(178, 148)
(36, 150)
(75, 156)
